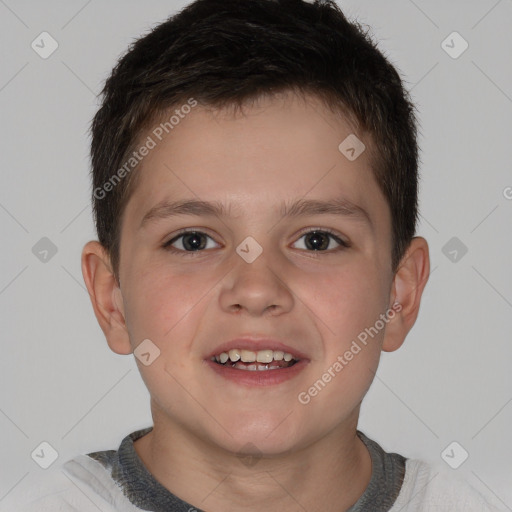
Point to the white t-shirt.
(111, 481)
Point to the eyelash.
(168, 245)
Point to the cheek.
(346, 300)
(161, 301)
(351, 306)
(164, 308)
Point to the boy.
(254, 167)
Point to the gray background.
(451, 381)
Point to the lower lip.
(258, 377)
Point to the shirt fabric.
(117, 480)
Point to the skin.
(307, 455)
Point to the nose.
(258, 288)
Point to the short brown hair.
(227, 52)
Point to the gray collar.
(145, 492)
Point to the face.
(258, 277)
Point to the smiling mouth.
(261, 360)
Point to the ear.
(106, 297)
(406, 291)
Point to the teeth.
(265, 356)
(234, 355)
(255, 367)
(278, 355)
(248, 356)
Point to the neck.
(329, 474)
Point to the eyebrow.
(303, 207)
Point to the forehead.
(279, 149)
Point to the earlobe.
(106, 297)
(408, 285)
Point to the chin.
(258, 434)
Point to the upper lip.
(255, 344)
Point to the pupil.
(193, 242)
(316, 238)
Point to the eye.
(190, 241)
(320, 240)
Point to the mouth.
(261, 360)
(256, 361)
